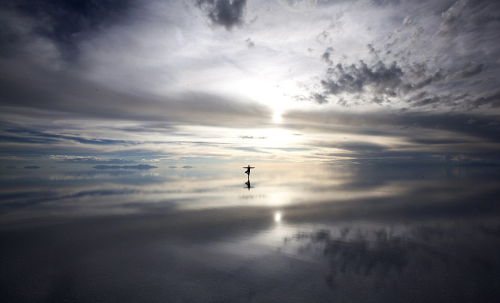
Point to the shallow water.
(312, 234)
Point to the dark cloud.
(379, 82)
(357, 78)
(63, 22)
(379, 123)
(401, 135)
(451, 19)
(319, 98)
(427, 101)
(227, 13)
(492, 100)
(386, 2)
(463, 101)
(326, 56)
(469, 70)
(373, 51)
(433, 78)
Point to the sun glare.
(277, 116)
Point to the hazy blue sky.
(319, 81)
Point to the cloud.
(139, 167)
(360, 147)
(491, 100)
(252, 137)
(250, 149)
(451, 18)
(88, 159)
(380, 78)
(33, 88)
(470, 70)
(149, 79)
(408, 136)
(32, 167)
(226, 13)
(64, 23)
(319, 98)
(441, 49)
(249, 43)
(462, 101)
(389, 123)
(24, 135)
(326, 56)
(379, 82)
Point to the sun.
(277, 116)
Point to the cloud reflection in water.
(442, 263)
(311, 235)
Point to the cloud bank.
(167, 79)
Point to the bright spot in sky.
(277, 217)
(277, 116)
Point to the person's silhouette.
(248, 169)
(248, 173)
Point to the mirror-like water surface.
(307, 234)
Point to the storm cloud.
(64, 23)
(226, 13)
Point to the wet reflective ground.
(314, 234)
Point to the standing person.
(248, 170)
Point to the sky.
(213, 81)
